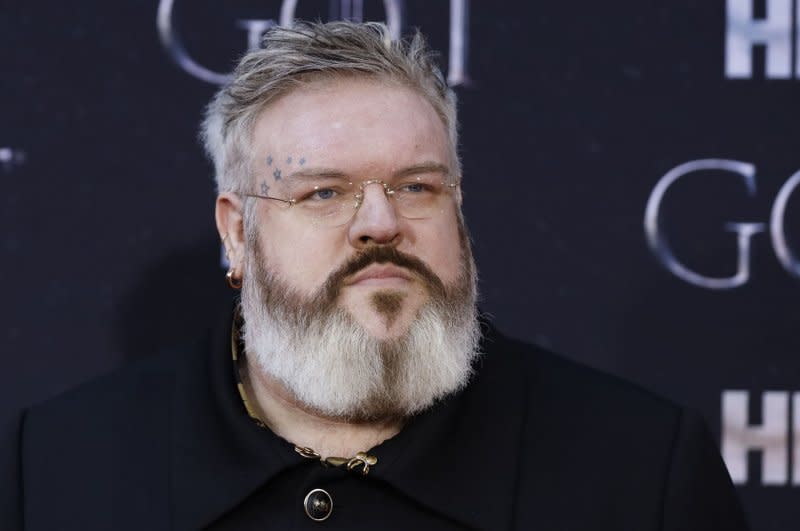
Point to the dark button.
(318, 505)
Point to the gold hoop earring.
(233, 282)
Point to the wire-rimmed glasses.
(332, 201)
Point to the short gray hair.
(290, 57)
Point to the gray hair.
(290, 57)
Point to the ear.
(229, 215)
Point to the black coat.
(534, 442)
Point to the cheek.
(442, 249)
(300, 254)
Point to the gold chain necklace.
(361, 462)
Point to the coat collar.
(219, 455)
(446, 458)
(453, 456)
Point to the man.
(355, 387)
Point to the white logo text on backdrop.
(774, 437)
(11, 158)
(345, 9)
(775, 32)
(745, 231)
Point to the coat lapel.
(462, 458)
(219, 455)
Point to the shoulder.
(582, 391)
(128, 408)
(578, 419)
(625, 455)
(101, 443)
(125, 391)
(142, 386)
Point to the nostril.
(379, 239)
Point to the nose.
(375, 221)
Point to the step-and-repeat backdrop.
(630, 179)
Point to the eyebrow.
(424, 167)
(318, 172)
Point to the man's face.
(363, 130)
(365, 316)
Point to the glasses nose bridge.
(387, 190)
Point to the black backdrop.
(571, 114)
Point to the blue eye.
(414, 188)
(324, 193)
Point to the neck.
(277, 408)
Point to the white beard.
(332, 365)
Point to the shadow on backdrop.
(176, 299)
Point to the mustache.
(382, 254)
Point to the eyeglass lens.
(333, 201)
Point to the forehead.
(353, 125)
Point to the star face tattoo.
(277, 173)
